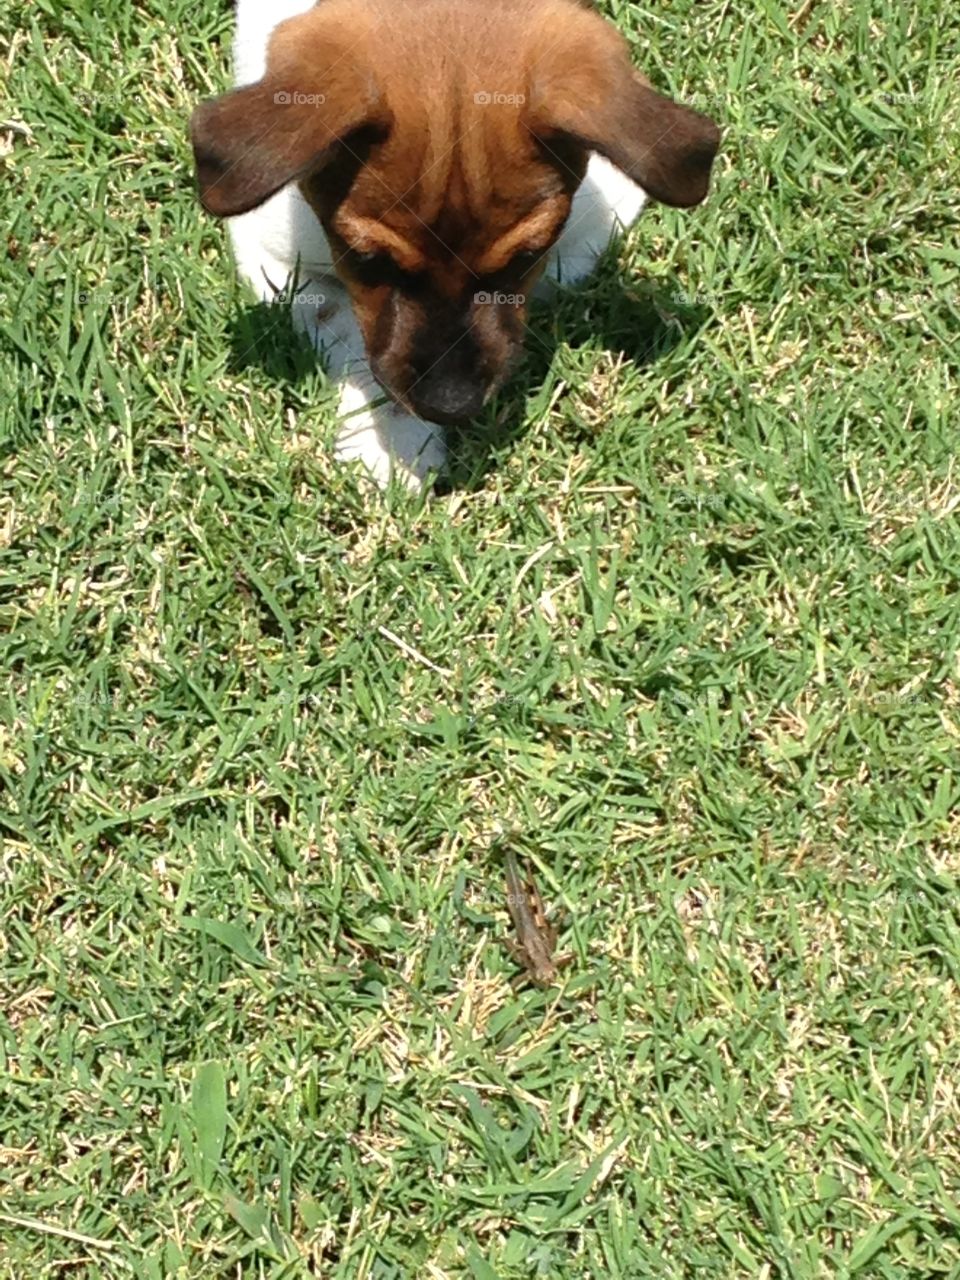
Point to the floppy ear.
(588, 93)
(252, 141)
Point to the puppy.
(403, 173)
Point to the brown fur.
(428, 196)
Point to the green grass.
(687, 632)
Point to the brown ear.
(589, 94)
(252, 141)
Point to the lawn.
(681, 627)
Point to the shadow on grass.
(623, 323)
(262, 336)
(628, 322)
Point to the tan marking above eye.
(366, 235)
(533, 234)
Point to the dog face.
(440, 246)
(441, 153)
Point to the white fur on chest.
(282, 242)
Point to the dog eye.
(526, 259)
(360, 261)
(378, 268)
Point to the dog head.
(441, 145)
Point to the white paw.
(385, 438)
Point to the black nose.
(448, 397)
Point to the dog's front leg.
(373, 429)
(605, 203)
